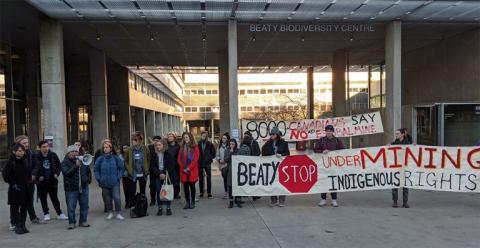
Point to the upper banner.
(346, 126)
(420, 167)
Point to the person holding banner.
(255, 148)
(162, 169)
(278, 147)
(188, 161)
(233, 150)
(401, 139)
(324, 145)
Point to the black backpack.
(140, 207)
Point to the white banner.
(346, 126)
(454, 169)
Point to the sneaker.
(210, 196)
(12, 227)
(71, 226)
(119, 217)
(334, 203)
(322, 203)
(281, 205)
(109, 216)
(46, 217)
(62, 216)
(197, 199)
(225, 196)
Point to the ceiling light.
(351, 38)
(98, 36)
(152, 37)
(302, 39)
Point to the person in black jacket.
(255, 148)
(24, 141)
(401, 139)
(278, 147)
(207, 154)
(76, 178)
(172, 151)
(152, 178)
(47, 170)
(17, 173)
(161, 166)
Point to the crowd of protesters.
(162, 162)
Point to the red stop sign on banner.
(298, 173)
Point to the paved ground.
(364, 219)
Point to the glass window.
(194, 109)
(215, 92)
(283, 91)
(263, 91)
(201, 92)
(242, 92)
(188, 109)
(208, 92)
(270, 91)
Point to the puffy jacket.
(72, 175)
(108, 170)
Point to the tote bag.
(166, 193)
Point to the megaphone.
(86, 159)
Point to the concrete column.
(165, 123)
(393, 81)
(139, 119)
(212, 128)
(150, 123)
(232, 76)
(34, 99)
(98, 80)
(53, 84)
(223, 92)
(9, 97)
(339, 83)
(170, 123)
(310, 94)
(159, 125)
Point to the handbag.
(166, 193)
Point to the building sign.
(312, 28)
(454, 169)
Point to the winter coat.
(108, 170)
(191, 161)
(173, 156)
(405, 141)
(39, 169)
(72, 175)
(206, 155)
(167, 166)
(244, 150)
(222, 149)
(282, 148)
(325, 143)
(17, 173)
(129, 163)
(255, 148)
(99, 153)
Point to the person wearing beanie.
(76, 178)
(278, 147)
(325, 144)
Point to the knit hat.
(329, 128)
(72, 148)
(276, 131)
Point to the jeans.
(45, 190)
(404, 195)
(72, 198)
(109, 194)
(159, 184)
(207, 169)
(18, 214)
(132, 188)
(324, 196)
(225, 178)
(189, 190)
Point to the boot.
(395, 204)
(239, 205)
(25, 230)
(169, 211)
(405, 205)
(230, 205)
(19, 229)
(160, 212)
(187, 205)
(192, 206)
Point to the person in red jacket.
(188, 161)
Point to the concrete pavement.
(364, 219)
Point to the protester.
(137, 164)
(223, 166)
(278, 147)
(408, 137)
(23, 140)
(188, 161)
(99, 151)
(125, 180)
(233, 150)
(400, 139)
(324, 145)
(19, 178)
(109, 169)
(255, 148)
(172, 151)
(160, 167)
(152, 177)
(47, 170)
(76, 178)
(81, 151)
(207, 154)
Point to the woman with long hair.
(223, 148)
(188, 161)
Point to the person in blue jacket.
(109, 171)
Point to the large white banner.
(346, 126)
(420, 167)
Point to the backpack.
(140, 206)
